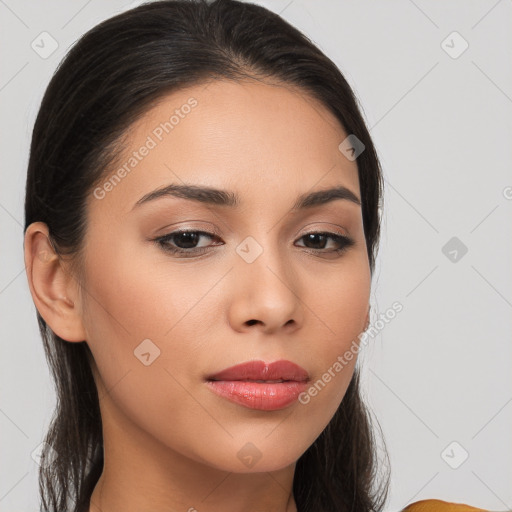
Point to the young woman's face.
(250, 282)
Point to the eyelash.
(163, 242)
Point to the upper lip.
(259, 370)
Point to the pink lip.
(259, 370)
(236, 384)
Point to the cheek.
(339, 306)
(141, 311)
(338, 303)
(129, 301)
(134, 310)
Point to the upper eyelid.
(213, 234)
(216, 236)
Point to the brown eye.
(318, 240)
(184, 241)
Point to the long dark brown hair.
(112, 76)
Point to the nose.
(265, 295)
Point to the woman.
(201, 227)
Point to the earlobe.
(53, 288)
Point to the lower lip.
(258, 395)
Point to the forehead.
(260, 139)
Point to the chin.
(256, 456)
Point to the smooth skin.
(170, 443)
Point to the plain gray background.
(438, 376)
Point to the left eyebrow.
(325, 196)
(219, 197)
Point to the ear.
(54, 290)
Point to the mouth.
(261, 386)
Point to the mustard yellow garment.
(440, 506)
